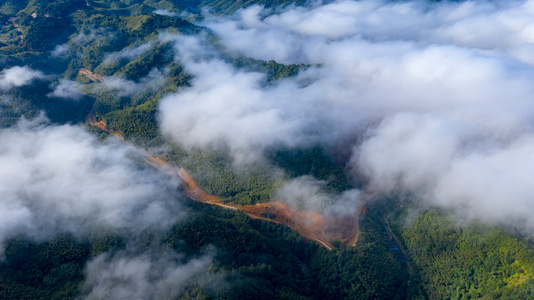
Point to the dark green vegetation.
(278, 264)
(255, 259)
(213, 172)
(341, 272)
(259, 182)
(451, 261)
(472, 262)
(50, 270)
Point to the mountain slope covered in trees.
(127, 43)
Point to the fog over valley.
(437, 101)
(283, 149)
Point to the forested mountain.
(104, 105)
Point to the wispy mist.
(128, 53)
(60, 50)
(164, 12)
(122, 87)
(308, 194)
(67, 89)
(159, 274)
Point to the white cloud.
(60, 179)
(92, 35)
(308, 194)
(431, 92)
(493, 184)
(286, 36)
(67, 89)
(304, 193)
(18, 76)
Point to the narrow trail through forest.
(310, 225)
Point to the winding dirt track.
(310, 225)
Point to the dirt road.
(310, 225)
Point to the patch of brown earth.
(91, 75)
(91, 118)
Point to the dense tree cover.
(344, 274)
(228, 7)
(49, 270)
(106, 102)
(54, 9)
(44, 33)
(158, 56)
(213, 171)
(11, 7)
(270, 259)
(272, 69)
(50, 25)
(12, 109)
(370, 270)
(131, 7)
(195, 6)
(137, 122)
(141, 26)
(254, 259)
(278, 264)
(472, 262)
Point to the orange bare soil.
(91, 75)
(91, 118)
(310, 225)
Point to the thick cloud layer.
(59, 179)
(439, 95)
(289, 36)
(236, 110)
